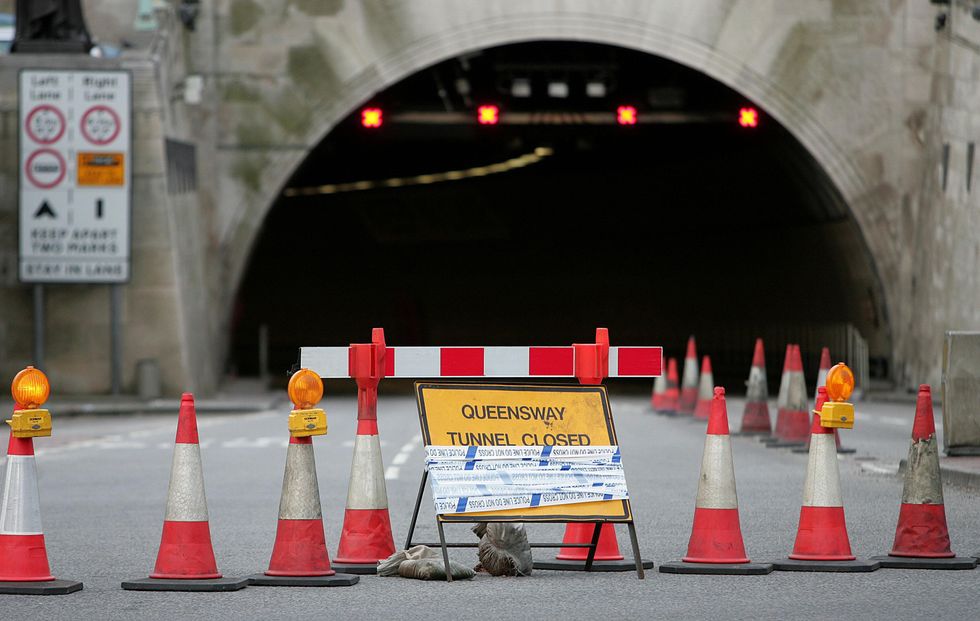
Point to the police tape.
(471, 478)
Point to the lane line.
(393, 471)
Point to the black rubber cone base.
(49, 587)
(784, 444)
(364, 569)
(167, 584)
(762, 435)
(791, 564)
(910, 562)
(626, 564)
(733, 569)
(336, 580)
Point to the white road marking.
(393, 471)
(879, 469)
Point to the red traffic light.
(748, 117)
(626, 115)
(488, 115)
(372, 117)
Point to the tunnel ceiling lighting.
(372, 117)
(488, 115)
(748, 117)
(595, 88)
(626, 115)
(527, 159)
(520, 87)
(558, 90)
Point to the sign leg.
(415, 513)
(636, 552)
(593, 546)
(445, 551)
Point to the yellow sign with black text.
(522, 415)
(101, 169)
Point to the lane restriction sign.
(45, 168)
(100, 125)
(45, 124)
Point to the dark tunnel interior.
(687, 224)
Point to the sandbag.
(504, 549)
(422, 563)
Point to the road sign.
(75, 176)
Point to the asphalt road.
(104, 482)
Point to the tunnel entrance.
(558, 219)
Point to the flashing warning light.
(840, 382)
(30, 388)
(748, 117)
(305, 389)
(372, 117)
(488, 115)
(626, 115)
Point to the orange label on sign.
(101, 169)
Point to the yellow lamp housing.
(837, 414)
(305, 423)
(30, 423)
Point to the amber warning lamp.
(305, 391)
(30, 389)
(837, 412)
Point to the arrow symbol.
(98, 208)
(44, 210)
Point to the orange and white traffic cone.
(689, 381)
(366, 536)
(185, 561)
(659, 393)
(922, 537)
(755, 417)
(793, 420)
(24, 566)
(671, 399)
(822, 543)
(299, 555)
(822, 381)
(716, 545)
(705, 384)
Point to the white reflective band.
(923, 481)
(783, 390)
(796, 393)
(443, 453)
(613, 362)
(716, 487)
(706, 387)
(185, 498)
(327, 361)
(821, 379)
(689, 377)
(367, 477)
(20, 509)
(757, 389)
(822, 485)
(506, 362)
(660, 384)
(417, 362)
(300, 495)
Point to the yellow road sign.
(101, 169)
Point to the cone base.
(779, 443)
(917, 562)
(364, 569)
(335, 580)
(627, 564)
(48, 587)
(166, 584)
(762, 435)
(733, 569)
(857, 565)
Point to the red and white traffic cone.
(793, 420)
(659, 393)
(716, 545)
(24, 566)
(671, 400)
(366, 535)
(689, 380)
(822, 381)
(299, 555)
(922, 537)
(706, 382)
(755, 417)
(822, 543)
(783, 392)
(185, 561)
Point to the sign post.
(75, 186)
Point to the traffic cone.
(24, 566)
(689, 380)
(366, 537)
(705, 383)
(922, 538)
(783, 391)
(659, 393)
(792, 421)
(607, 556)
(716, 545)
(822, 543)
(822, 381)
(299, 555)
(672, 393)
(755, 417)
(185, 561)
